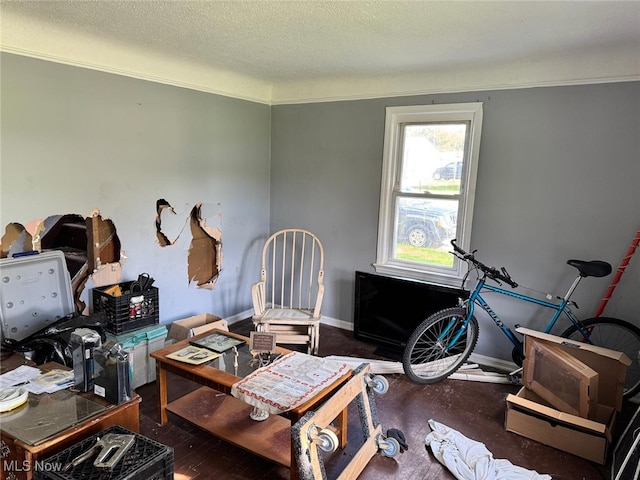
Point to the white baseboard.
(334, 322)
(239, 316)
(497, 363)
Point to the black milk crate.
(129, 311)
(146, 459)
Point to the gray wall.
(558, 178)
(75, 139)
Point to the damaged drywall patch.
(162, 207)
(15, 237)
(204, 257)
(90, 245)
(104, 251)
(205, 253)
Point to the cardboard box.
(188, 327)
(609, 364)
(562, 380)
(530, 415)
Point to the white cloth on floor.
(470, 460)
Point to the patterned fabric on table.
(288, 382)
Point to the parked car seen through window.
(451, 171)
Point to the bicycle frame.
(475, 298)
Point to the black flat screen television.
(388, 309)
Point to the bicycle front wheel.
(432, 352)
(614, 334)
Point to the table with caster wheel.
(212, 407)
(314, 434)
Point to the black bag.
(51, 344)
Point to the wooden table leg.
(161, 385)
(341, 424)
(294, 474)
(29, 461)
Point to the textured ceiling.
(278, 51)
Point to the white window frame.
(396, 118)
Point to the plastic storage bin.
(139, 344)
(146, 459)
(130, 311)
(36, 291)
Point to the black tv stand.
(388, 309)
(393, 354)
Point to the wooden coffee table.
(212, 408)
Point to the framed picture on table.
(262, 342)
(217, 342)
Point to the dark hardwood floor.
(475, 409)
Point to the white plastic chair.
(288, 297)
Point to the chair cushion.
(287, 314)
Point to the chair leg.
(314, 334)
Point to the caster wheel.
(515, 377)
(389, 447)
(379, 384)
(327, 440)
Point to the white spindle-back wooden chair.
(288, 297)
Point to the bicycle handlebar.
(499, 275)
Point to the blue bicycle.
(444, 341)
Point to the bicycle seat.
(592, 268)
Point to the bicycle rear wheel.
(614, 334)
(429, 355)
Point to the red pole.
(619, 272)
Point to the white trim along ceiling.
(280, 52)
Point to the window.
(428, 185)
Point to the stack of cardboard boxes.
(571, 394)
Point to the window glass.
(424, 228)
(433, 157)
